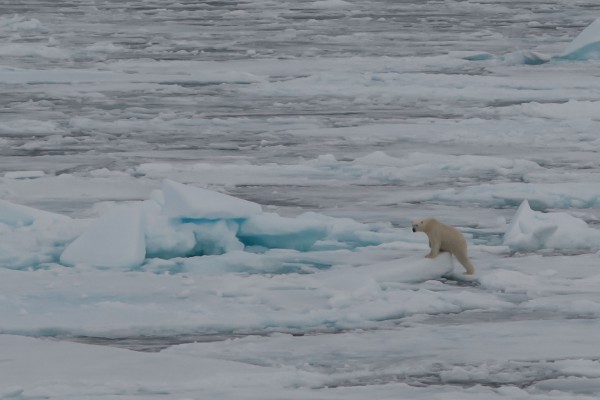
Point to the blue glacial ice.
(532, 230)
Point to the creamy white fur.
(443, 237)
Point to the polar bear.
(443, 237)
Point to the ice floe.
(273, 231)
(30, 237)
(586, 46)
(116, 240)
(533, 230)
(188, 202)
(18, 215)
(180, 221)
(409, 269)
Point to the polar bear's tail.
(464, 260)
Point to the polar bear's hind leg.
(464, 260)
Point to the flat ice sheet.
(411, 269)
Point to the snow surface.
(304, 137)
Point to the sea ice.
(171, 237)
(115, 240)
(167, 238)
(294, 114)
(216, 237)
(586, 46)
(410, 269)
(273, 231)
(533, 230)
(185, 221)
(24, 174)
(30, 237)
(326, 4)
(18, 23)
(58, 370)
(578, 194)
(19, 215)
(189, 202)
(414, 168)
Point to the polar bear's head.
(425, 225)
(419, 224)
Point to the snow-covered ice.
(187, 202)
(116, 240)
(533, 230)
(412, 270)
(586, 46)
(17, 215)
(184, 221)
(213, 199)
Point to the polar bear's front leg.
(434, 248)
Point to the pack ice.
(184, 223)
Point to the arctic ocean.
(213, 199)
